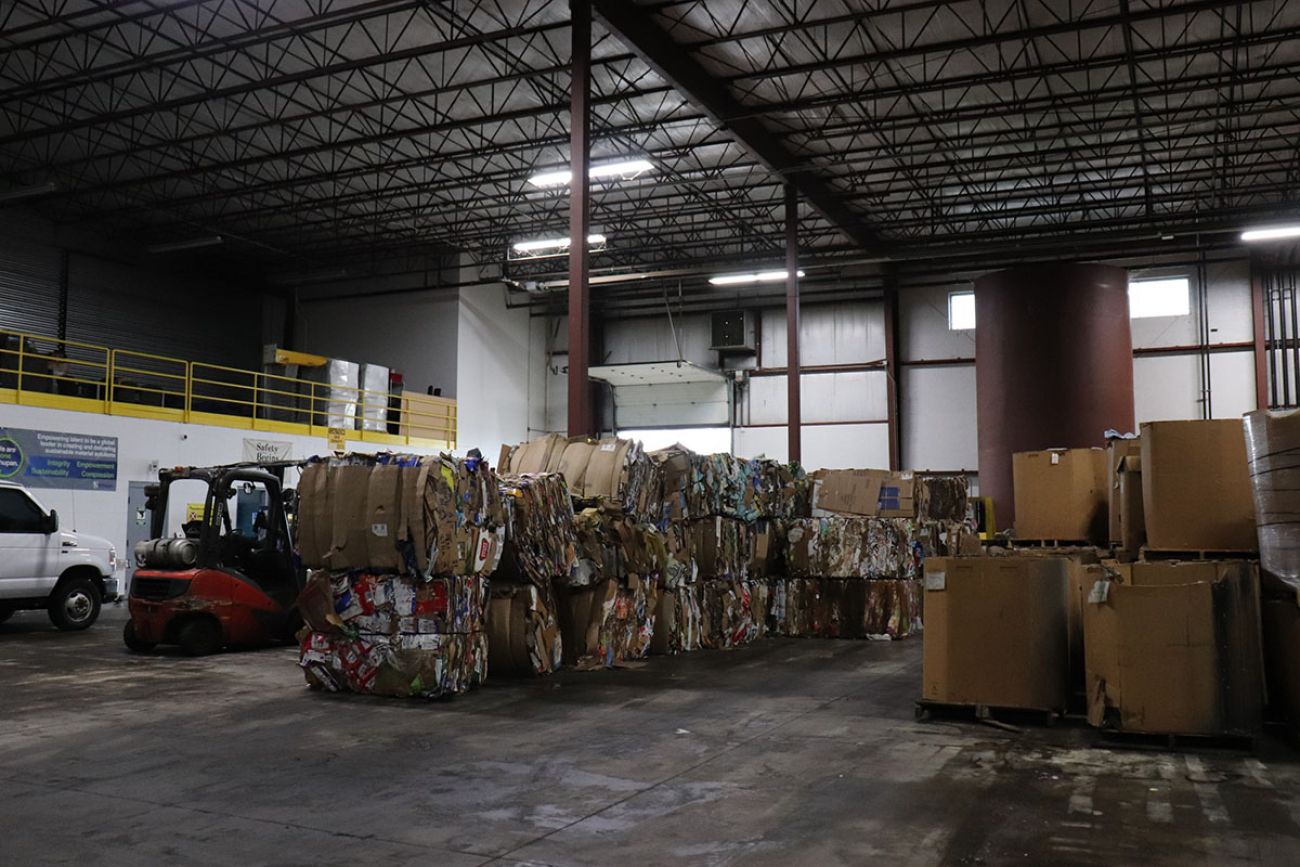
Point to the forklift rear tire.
(199, 636)
(74, 604)
(133, 643)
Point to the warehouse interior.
(928, 367)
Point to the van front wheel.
(74, 604)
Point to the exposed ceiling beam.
(641, 33)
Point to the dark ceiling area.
(921, 135)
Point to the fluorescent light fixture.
(756, 277)
(621, 169)
(190, 244)
(553, 244)
(13, 194)
(1272, 233)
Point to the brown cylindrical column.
(1053, 365)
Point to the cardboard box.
(1174, 648)
(996, 631)
(1116, 452)
(1061, 494)
(1132, 515)
(1196, 488)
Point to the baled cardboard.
(1196, 491)
(868, 493)
(573, 465)
(1061, 494)
(1116, 451)
(1174, 648)
(315, 514)
(996, 631)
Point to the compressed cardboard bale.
(734, 612)
(607, 623)
(1174, 648)
(523, 631)
(573, 466)
(942, 497)
(314, 529)
(1061, 494)
(401, 665)
(848, 492)
(539, 456)
(695, 486)
(677, 622)
(1273, 462)
(1196, 491)
(996, 632)
(842, 547)
(384, 516)
(539, 525)
(349, 536)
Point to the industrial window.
(704, 440)
(961, 311)
(1168, 296)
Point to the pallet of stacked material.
(391, 634)
(734, 612)
(439, 515)
(677, 621)
(539, 525)
(523, 630)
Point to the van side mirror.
(52, 522)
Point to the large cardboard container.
(1117, 454)
(1174, 648)
(1061, 494)
(1195, 486)
(996, 631)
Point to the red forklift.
(230, 580)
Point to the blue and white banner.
(53, 459)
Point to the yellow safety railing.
(37, 370)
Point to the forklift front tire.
(199, 636)
(133, 643)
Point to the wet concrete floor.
(787, 752)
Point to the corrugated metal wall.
(123, 305)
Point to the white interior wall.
(494, 370)
(140, 444)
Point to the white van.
(68, 574)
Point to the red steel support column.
(580, 416)
(1261, 343)
(794, 415)
(892, 372)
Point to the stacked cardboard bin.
(400, 548)
(1158, 625)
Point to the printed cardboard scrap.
(842, 547)
(523, 630)
(609, 622)
(539, 525)
(677, 620)
(733, 612)
(392, 634)
(404, 664)
(697, 486)
(438, 515)
(614, 546)
(851, 608)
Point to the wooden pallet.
(1148, 553)
(1127, 740)
(999, 717)
(1050, 543)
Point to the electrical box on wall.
(733, 331)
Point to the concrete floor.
(788, 752)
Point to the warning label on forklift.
(54, 459)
